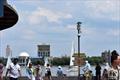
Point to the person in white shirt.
(87, 67)
(14, 70)
(87, 71)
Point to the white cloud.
(58, 33)
(28, 2)
(69, 3)
(51, 16)
(104, 9)
(84, 29)
(114, 32)
(89, 31)
(28, 34)
(0, 34)
(52, 1)
(23, 15)
(71, 27)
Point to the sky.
(54, 22)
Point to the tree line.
(65, 60)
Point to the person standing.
(98, 71)
(30, 72)
(38, 73)
(114, 71)
(60, 73)
(1, 70)
(87, 69)
(48, 72)
(105, 72)
(14, 70)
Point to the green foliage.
(3, 61)
(66, 60)
(95, 59)
(61, 61)
(40, 62)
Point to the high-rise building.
(8, 51)
(106, 56)
(43, 50)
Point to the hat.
(59, 67)
(86, 61)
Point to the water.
(64, 68)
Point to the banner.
(1, 8)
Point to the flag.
(46, 61)
(29, 61)
(8, 62)
(72, 53)
(1, 8)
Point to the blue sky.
(54, 22)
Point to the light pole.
(79, 31)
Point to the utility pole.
(79, 60)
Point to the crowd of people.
(110, 72)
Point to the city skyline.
(54, 22)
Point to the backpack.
(59, 72)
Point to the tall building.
(8, 51)
(43, 50)
(106, 56)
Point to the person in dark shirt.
(98, 72)
(48, 72)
